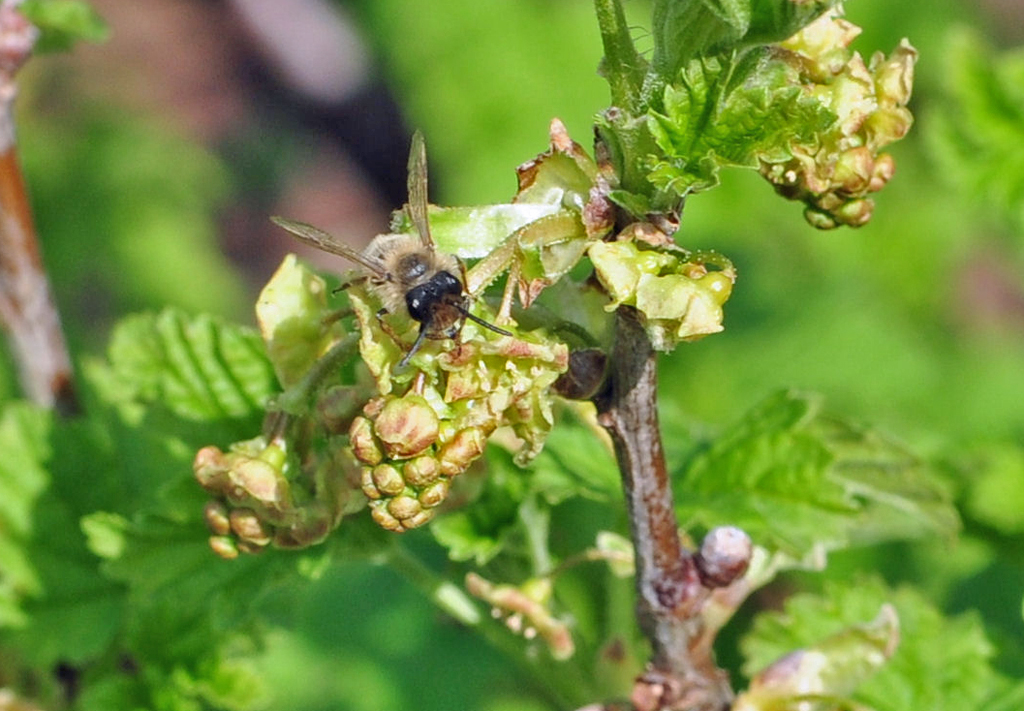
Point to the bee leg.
(347, 284)
(415, 347)
(386, 327)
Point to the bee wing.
(327, 242)
(417, 205)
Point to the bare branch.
(27, 310)
(670, 591)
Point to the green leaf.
(978, 135)
(941, 663)
(24, 433)
(798, 481)
(64, 22)
(995, 496)
(197, 367)
(686, 29)
(480, 531)
(722, 112)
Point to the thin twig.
(670, 592)
(27, 309)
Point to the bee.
(407, 272)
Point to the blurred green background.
(154, 159)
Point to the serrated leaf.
(941, 663)
(197, 367)
(798, 481)
(64, 22)
(722, 112)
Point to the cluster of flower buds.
(290, 486)
(255, 503)
(412, 445)
(680, 297)
(835, 175)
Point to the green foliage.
(103, 553)
(940, 662)
(195, 367)
(798, 481)
(728, 112)
(685, 29)
(64, 22)
(978, 136)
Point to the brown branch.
(27, 310)
(670, 587)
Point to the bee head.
(424, 300)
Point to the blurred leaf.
(828, 671)
(721, 113)
(64, 22)
(996, 495)
(977, 135)
(24, 430)
(480, 531)
(197, 367)
(941, 663)
(794, 480)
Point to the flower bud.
(224, 546)
(387, 480)
(421, 471)
(406, 426)
(463, 449)
(247, 526)
(216, 516)
(364, 444)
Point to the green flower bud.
(434, 494)
(834, 173)
(387, 480)
(364, 445)
(224, 546)
(421, 471)
(670, 288)
(406, 426)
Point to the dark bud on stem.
(723, 556)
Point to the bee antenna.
(481, 322)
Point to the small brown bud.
(403, 507)
(462, 450)
(388, 480)
(248, 527)
(257, 479)
(210, 469)
(724, 556)
(434, 494)
(421, 471)
(367, 485)
(407, 426)
(224, 546)
(364, 444)
(216, 516)
(384, 519)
